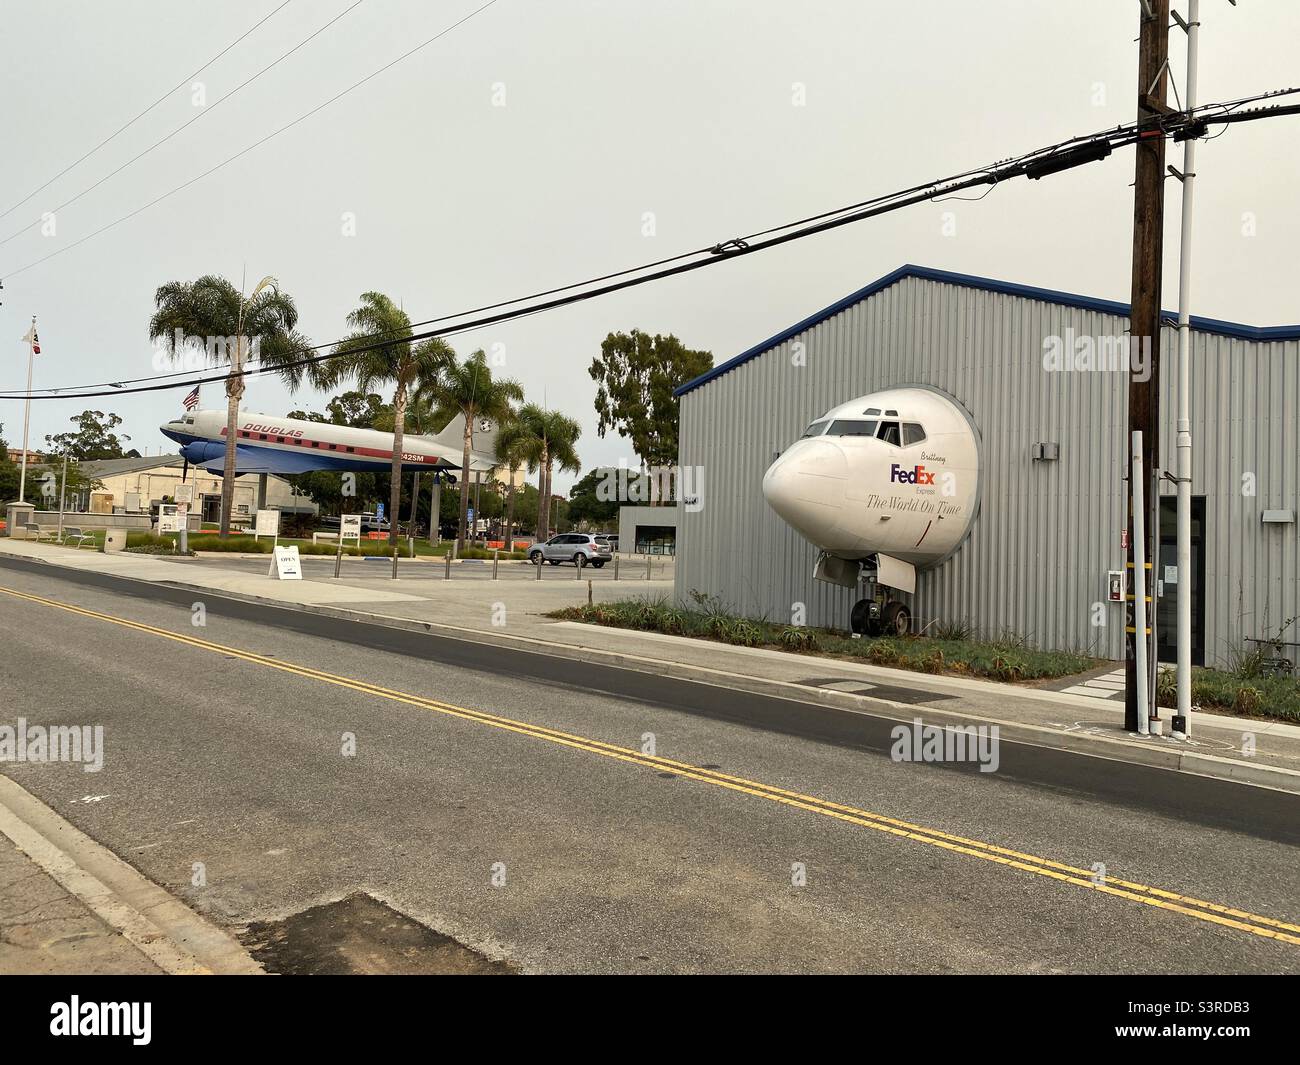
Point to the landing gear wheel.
(860, 620)
(896, 620)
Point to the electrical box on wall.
(1047, 451)
(1115, 586)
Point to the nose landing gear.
(880, 617)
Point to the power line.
(256, 144)
(185, 125)
(1036, 164)
(123, 128)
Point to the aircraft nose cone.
(805, 486)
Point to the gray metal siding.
(1036, 559)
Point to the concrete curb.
(155, 922)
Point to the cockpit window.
(813, 430)
(872, 410)
(889, 433)
(851, 427)
(913, 433)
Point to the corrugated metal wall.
(1047, 533)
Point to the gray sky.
(683, 108)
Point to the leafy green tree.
(93, 439)
(585, 503)
(234, 329)
(468, 389)
(635, 375)
(544, 439)
(380, 351)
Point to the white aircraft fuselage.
(891, 477)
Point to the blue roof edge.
(1047, 295)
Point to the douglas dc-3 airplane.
(267, 444)
(883, 485)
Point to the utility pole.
(1144, 315)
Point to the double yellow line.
(1174, 902)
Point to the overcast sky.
(684, 108)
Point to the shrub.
(1247, 700)
(951, 631)
(798, 638)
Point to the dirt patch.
(360, 935)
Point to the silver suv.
(578, 548)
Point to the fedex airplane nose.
(805, 486)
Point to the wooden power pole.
(1144, 317)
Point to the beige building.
(132, 486)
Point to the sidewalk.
(510, 612)
(46, 930)
(70, 905)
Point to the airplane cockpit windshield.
(813, 430)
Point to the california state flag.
(33, 339)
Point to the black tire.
(896, 621)
(552, 561)
(860, 619)
(535, 557)
(579, 560)
(595, 565)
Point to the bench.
(317, 537)
(82, 538)
(39, 532)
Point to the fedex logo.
(916, 475)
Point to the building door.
(1166, 576)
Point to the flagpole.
(27, 410)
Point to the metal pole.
(63, 492)
(338, 555)
(1139, 586)
(541, 561)
(435, 531)
(578, 568)
(410, 546)
(495, 552)
(648, 564)
(394, 559)
(446, 572)
(615, 565)
(27, 411)
(1182, 723)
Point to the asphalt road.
(504, 799)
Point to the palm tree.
(468, 389)
(379, 351)
(511, 456)
(212, 312)
(544, 439)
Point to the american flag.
(192, 400)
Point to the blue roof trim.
(1046, 295)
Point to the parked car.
(578, 548)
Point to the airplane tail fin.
(483, 443)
